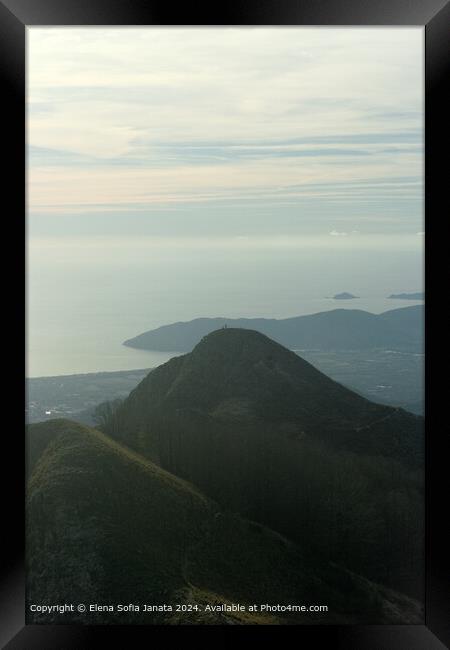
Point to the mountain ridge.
(400, 328)
(265, 434)
(87, 492)
(262, 379)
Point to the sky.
(215, 137)
(175, 173)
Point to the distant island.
(344, 296)
(420, 295)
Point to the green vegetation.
(105, 526)
(242, 377)
(236, 473)
(100, 520)
(266, 434)
(384, 376)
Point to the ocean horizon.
(94, 341)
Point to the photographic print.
(225, 325)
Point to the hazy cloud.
(287, 121)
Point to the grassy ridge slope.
(105, 525)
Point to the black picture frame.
(15, 16)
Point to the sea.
(81, 309)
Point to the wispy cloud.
(138, 118)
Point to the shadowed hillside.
(105, 525)
(238, 377)
(267, 435)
